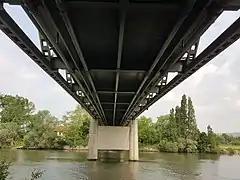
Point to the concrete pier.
(113, 138)
(133, 141)
(92, 142)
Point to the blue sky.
(215, 89)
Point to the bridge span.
(117, 54)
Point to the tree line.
(178, 132)
(22, 126)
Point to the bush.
(235, 142)
(232, 151)
(4, 166)
(36, 174)
(190, 146)
(162, 145)
(166, 146)
(224, 151)
(4, 171)
(9, 134)
(181, 147)
(59, 143)
(171, 147)
(216, 150)
(6, 138)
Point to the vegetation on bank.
(5, 173)
(234, 147)
(178, 132)
(22, 126)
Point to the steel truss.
(184, 39)
(227, 38)
(78, 72)
(45, 60)
(178, 53)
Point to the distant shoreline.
(62, 149)
(224, 150)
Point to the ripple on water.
(59, 165)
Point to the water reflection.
(110, 171)
(214, 157)
(179, 166)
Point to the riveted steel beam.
(228, 37)
(118, 70)
(120, 103)
(14, 32)
(186, 9)
(123, 5)
(189, 34)
(63, 13)
(63, 34)
(118, 92)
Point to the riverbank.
(66, 148)
(224, 150)
(230, 149)
(148, 149)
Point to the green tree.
(161, 128)
(192, 130)
(146, 131)
(203, 142)
(15, 109)
(212, 139)
(41, 132)
(9, 134)
(168, 130)
(172, 127)
(179, 131)
(227, 139)
(178, 121)
(77, 127)
(183, 117)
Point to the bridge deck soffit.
(117, 55)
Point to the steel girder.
(167, 42)
(194, 25)
(227, 38)
(57, 26)
(122, 19)
(76, 50)
(14, 32)
(72, 67)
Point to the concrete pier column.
(133, 141)
(92, 142)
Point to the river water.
(62, 165)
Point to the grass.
(234, 147)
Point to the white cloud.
(170, 96)
(26, 73)
(224, 69)
(198, 76)
(238, 103)
(227, 98)
(232, 87)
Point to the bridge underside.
(117, 54)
